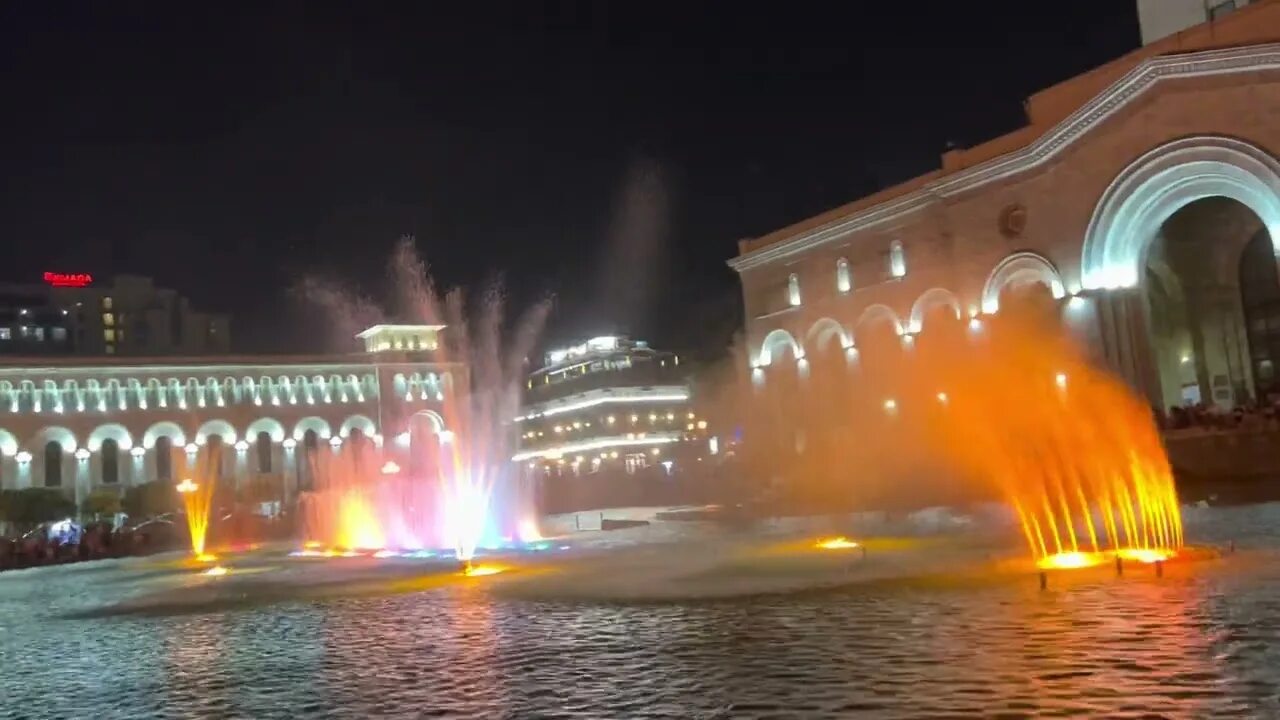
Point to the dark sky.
(610, 153)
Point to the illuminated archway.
(771, 344)
(358, 422)
(221, 428)
(878, 313)
(110, 431)
(931, 299)
(1018, 269)
(1161, 182)
(164, 428)
(825, 330)
(316, 424)
(272, 427)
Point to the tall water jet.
(451, 484)
(197, 492)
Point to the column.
(1122, 325)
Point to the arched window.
(164, 458)
(897, 259)
(264, 452)
(844, 282)
(110, 458)
(53, 464)
(213, 455)
(793, 290)
(309, 442)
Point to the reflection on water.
(1203, 641)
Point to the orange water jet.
(1071, 449)
(197, 501)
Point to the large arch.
(311, 422)
(164, 428)
(1161, 182)
(358, 422)
(771, 342)
(878, 312)
(270, 426)
(221, 428)
(54, 433)
(8, 443)
(823, 330)
(114, 431)
(931, 298)
(1020, 268)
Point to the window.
(264, 452)
(109, 335)
(59, 334)
(52, 464)
(793, 290)
(1221, 9)
(897, 259)
(6, 333)
(164, 458)
(108, 319)
(39, 334)
(844, 283)
(110, 461)
(106, 303)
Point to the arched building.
(1142, 196)
(82, 424)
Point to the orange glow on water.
(1074, 560)
(836, 543)
(206, 557)
(481, 570)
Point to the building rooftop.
(1254, 24)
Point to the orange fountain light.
(481, 570)
(836, 543)
(197, 500)
(1071, 449)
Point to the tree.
(101, 502)
(149, 499)
(28, 507)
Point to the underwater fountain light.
(216, 571)
(836, 543)
(390, 468)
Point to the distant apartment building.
(73, 314)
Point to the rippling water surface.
(1203, 641)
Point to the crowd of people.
(65, 541)
(1251, 416)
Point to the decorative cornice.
(1134, 83)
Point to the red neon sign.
(68, 279)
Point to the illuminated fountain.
(442, 479)
(197, 502)
(1074, 453)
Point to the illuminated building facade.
(602, 410)
(84, 424)
(1141, 202)
(74, 314)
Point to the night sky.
(607, 153)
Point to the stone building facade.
(81, 424)
(1087, 201)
